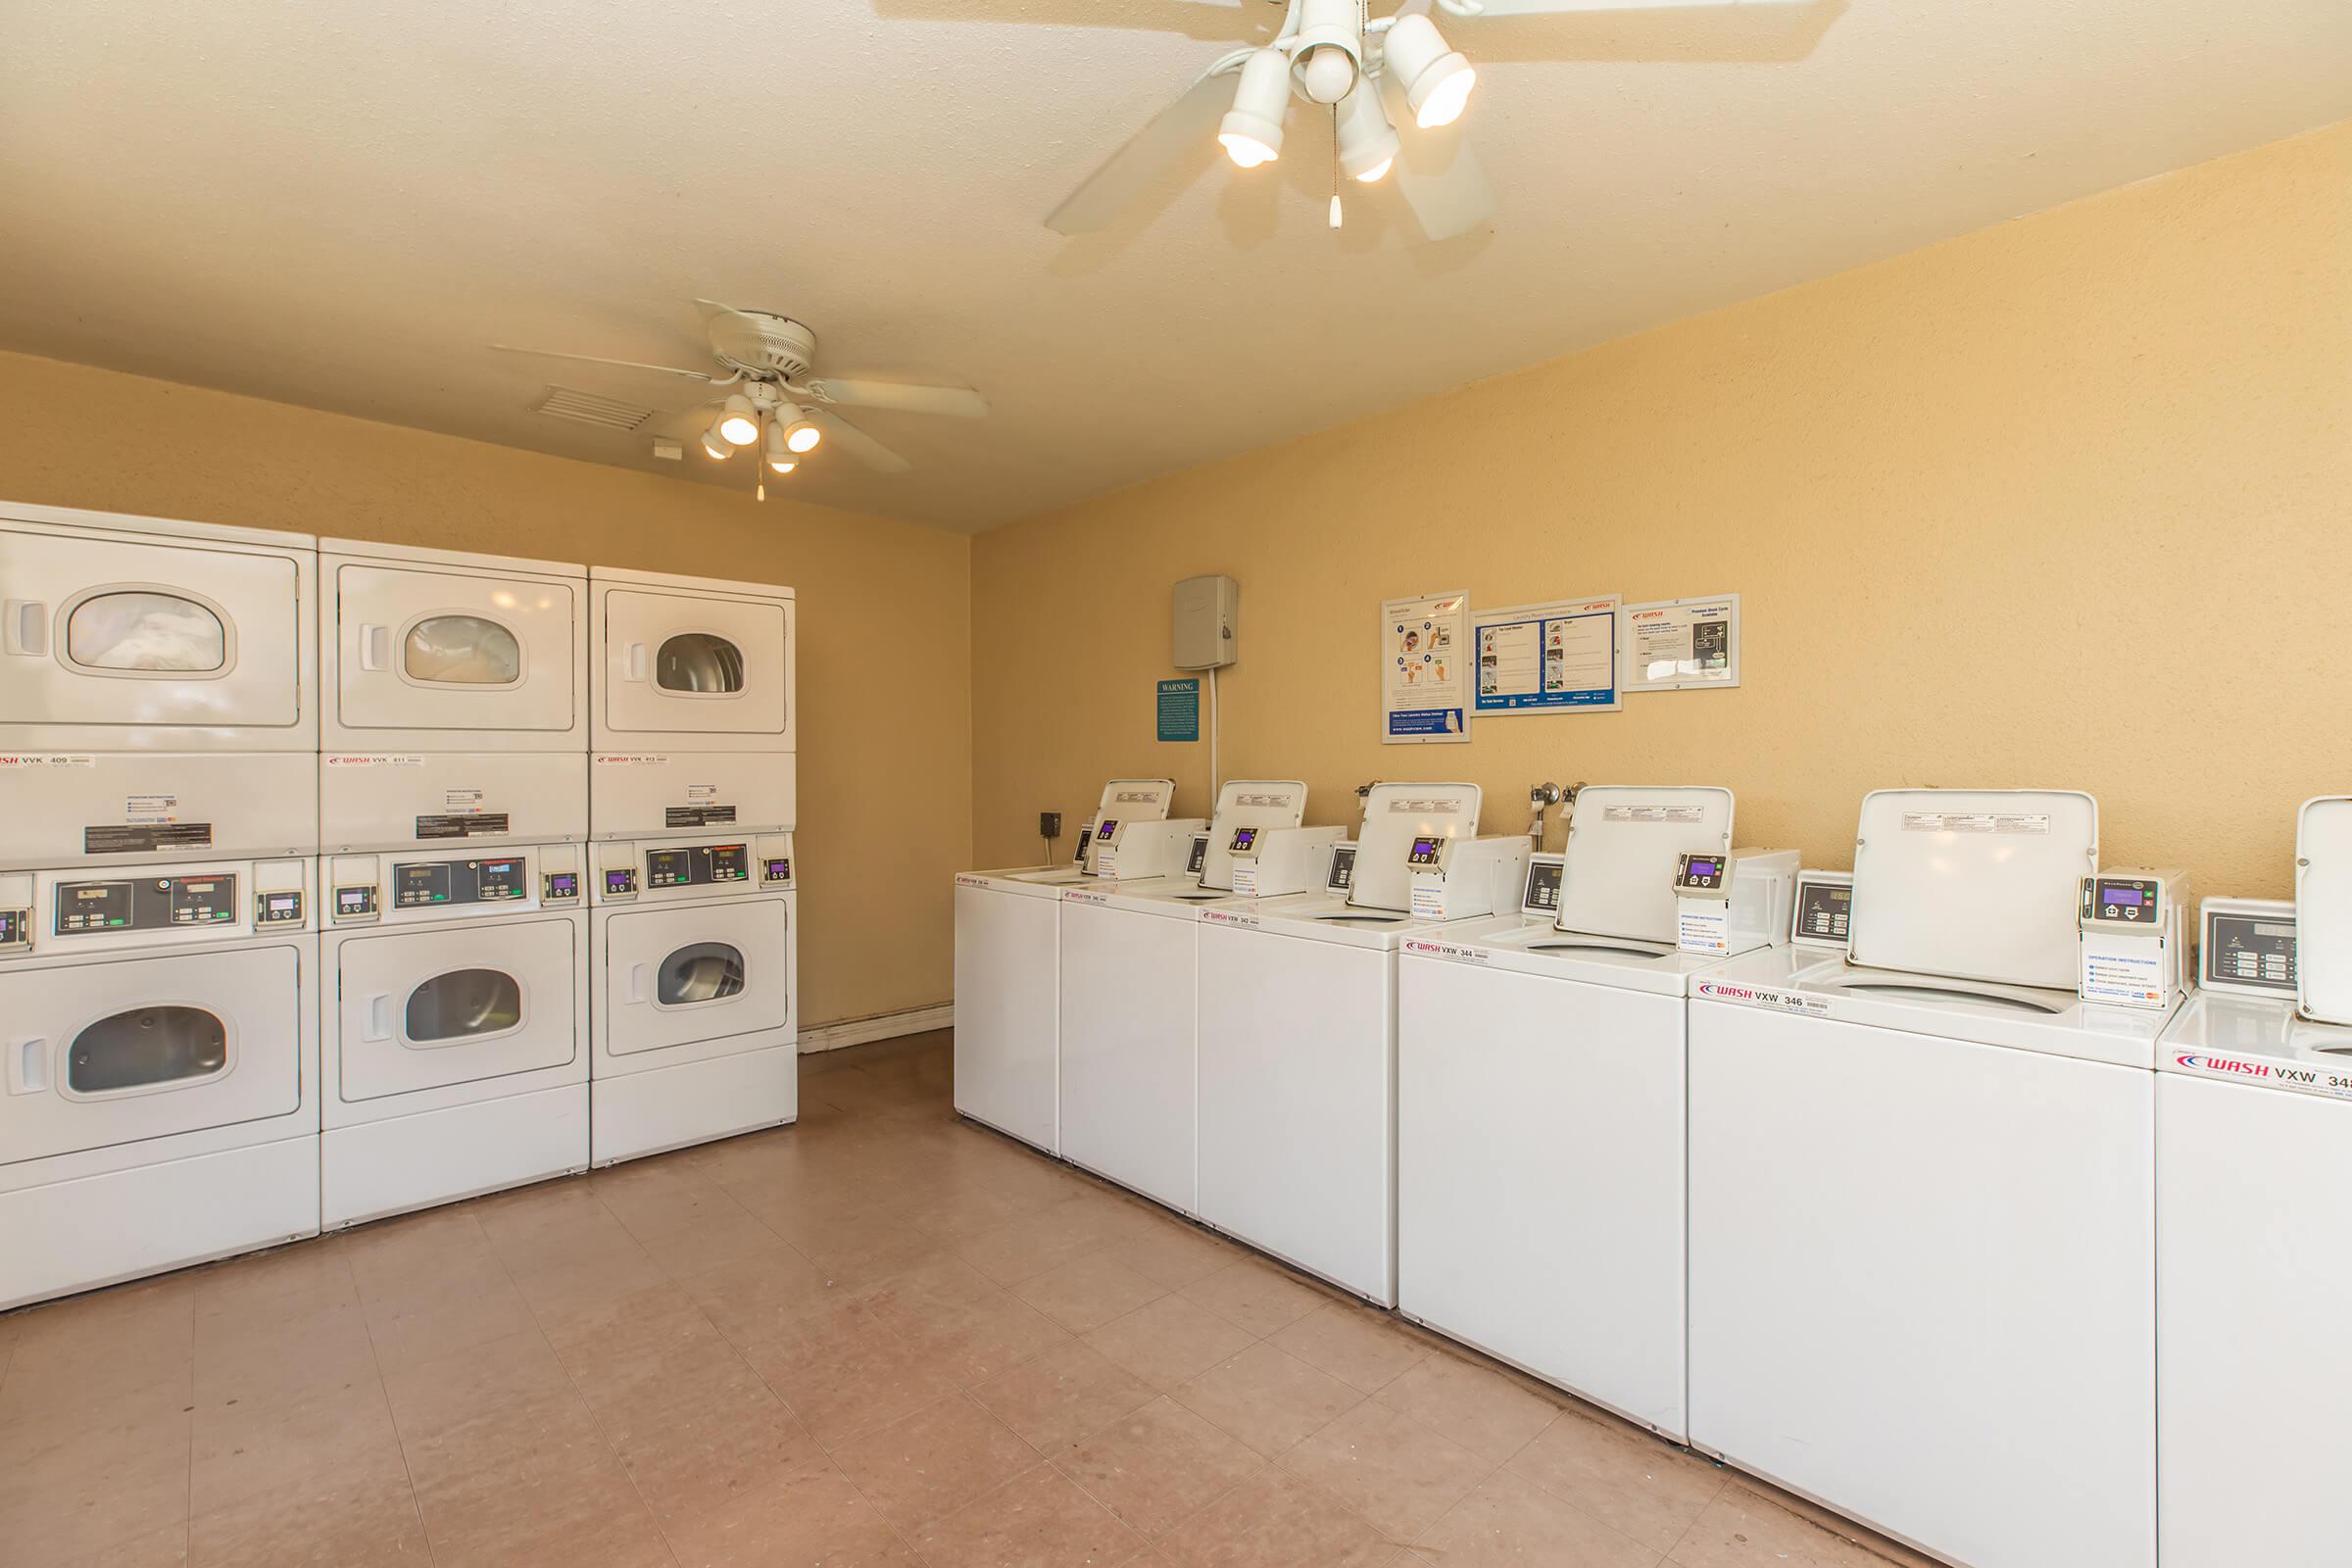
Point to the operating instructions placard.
(1678, 644)
(1424, 669)
(1555, 657)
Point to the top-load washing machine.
(157, 689)
(457, 699)
(1923, 1195)
(1127, 982)
(691, 706)
(160, 1030)
(2253, 1204)
(1296, 1019)
(1540, 1095)
(1008, 926)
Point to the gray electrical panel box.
(1206, 612)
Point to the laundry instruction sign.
(1423, 668)
(1180, 710)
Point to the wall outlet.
(1049, 824)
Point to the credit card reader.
(1732, 904)
(2135, 938)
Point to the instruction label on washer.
(2034, 822)
(2126, 978)
(1702, 927)
(1653, 814)
(1429, 899)
(150, 808)
(1244, 879)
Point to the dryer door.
(112, 1053)
(418, 648)
(686, 977)
(686, 665)
(443, 1005)
(105, 632)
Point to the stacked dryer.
(453, 800)
(691, 805)
(158, 959)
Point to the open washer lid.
(1972, 884)
(1395, 814)
(2323, 909)
(1259, 802)
(1623, 841)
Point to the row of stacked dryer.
(339, 879)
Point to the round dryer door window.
(463, 1004)
(146, 1048)
(706, 971)
(146, 632)
(697, 661)
(461, 651)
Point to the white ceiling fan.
(1369, 74)
(770, 400)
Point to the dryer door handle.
(28, 1065)
(378, 1010)
(632, 663)
(375, 648)
(636, 987)
(25, 630)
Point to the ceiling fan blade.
(1437, 175)
(957, 401)
(1180, 129)
(857, 443)
(704, 376)
(1563, 8)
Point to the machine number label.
(1226, 917)
(964, 879)
(2331, 1083)
(1447, 950)
(624, 760)
(1759, 996)
(48, 759)
(1085, 897)
(381, 760)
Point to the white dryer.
(692, 705)
(2253, 1205)
(157, 690)
(1542, 1093)
(1007, 942)
(161, 1034)
(695, 993)
(456, 1032)
(1922, 1200)
(1296, 1007)
(457, 699)
(1128, 976)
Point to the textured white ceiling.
(339, 205)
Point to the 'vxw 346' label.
(1761, 997)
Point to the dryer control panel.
(365, 888)
(628, 871)
(698, 865)
(417, 884)
(145, 903)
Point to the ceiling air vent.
(563, 403)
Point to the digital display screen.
(624, 881)
(420, 882)
(1426, 845)
(352, 898)
(1704, 868)
(2116, 895)
(563, 885)
(779, 871)
(500, 879)
(281, 901)
(1243, 839)
(1103, 832)
(729, 863)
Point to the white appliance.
(157, 690)
(1007, 998)
(2137, 938)
(692, 705)
(161, 1034)
(1128, 976)
(2253, 1204)
(455, 1034)
(457, 699)
(1922, 1198)
(694, 988)
(1540, 1095)
(1296, 1019)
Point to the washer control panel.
(1427, 851)
(1824, 910)
(1342, 870)
(2249, 947)
(2126, 900)
(1701, 873)
(1545, 874)
(145, 903)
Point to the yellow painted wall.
(2064, 502)
(885, 719)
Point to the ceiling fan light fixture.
(740, 423)
(780, 459)
(1329, 49)
(1369, 143)
(716, 444)
(1252, 130)
(1436, 78)
(796, 431)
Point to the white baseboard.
(880, 1026)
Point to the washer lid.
(1137, 800)
(1259, 802)
(2323, 909)
(1972, 884)
(1395, 814)
(1623, 841)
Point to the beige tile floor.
(881, 1337)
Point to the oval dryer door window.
(146, 1048)
(699, 663)
(463, 1004)
(146, 632)
(461, 651)
(705, 971)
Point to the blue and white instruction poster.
(1555, 657)
(1425, 662)
(1678, 644)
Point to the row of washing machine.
(249, 988)
(1917, 1190)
